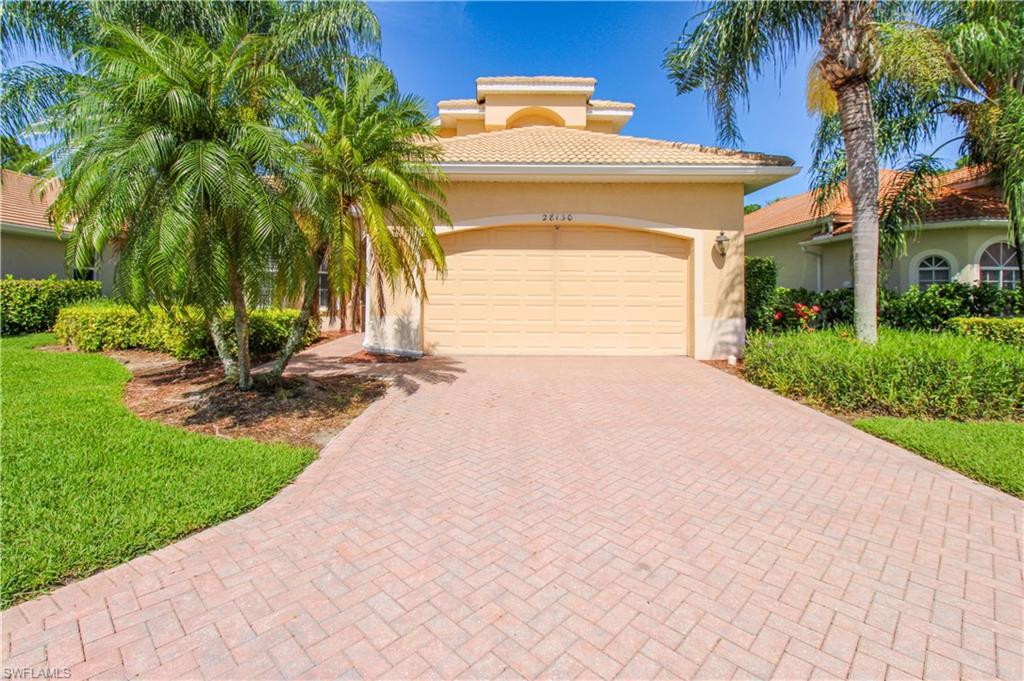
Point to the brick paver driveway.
(571, 517)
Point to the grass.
(988, 451)
(88, 485)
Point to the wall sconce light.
(722, 243)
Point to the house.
(963, 237)
(570, 238)
(30, 248)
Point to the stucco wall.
(693, 211)
(960, 245)
(30, 256)
(796, 268)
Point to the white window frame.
(914, 275)
(981, 251)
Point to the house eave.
(928, 226)
(29, 230)
(752, 177)
(779, 231)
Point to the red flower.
(816, 308)
(778, 315)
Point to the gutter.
(752, 176)
(927, 227)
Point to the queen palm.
(734, 40)
(377, 185)
(305, 38)
(165, 146)
(955, 61)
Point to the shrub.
(1009, 331)
(760, 276)
(28, 305)
(103, 325)
(907, 373)
(914, 309)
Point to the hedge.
(1009, 331)
(908, 373)
(103, 325)
(760, 276)
(30, 305)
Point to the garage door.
(569, 290)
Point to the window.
(933, 269)
(325, 287)
(87, 273)
(999, 265)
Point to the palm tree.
(955, 61)
(305, 38)
(734, 40)
(165, 146)
(377, 185)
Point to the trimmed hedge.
(908, 373)
(1009, 331)
(30, 305)
(104, 325)
(760, 275)
(917, 310)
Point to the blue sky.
(438, 49)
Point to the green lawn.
(988, 451)
(88, 485)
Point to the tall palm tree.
(959, 62)
(165, 146)
(378, 188)
(735, 40)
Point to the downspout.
(817, 253)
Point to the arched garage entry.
(562, 288)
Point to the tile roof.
(535, 80)
(457, 103)
(20, 200)
(609, 104)
(555, 145)
(952, 202)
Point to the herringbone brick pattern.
(570, 517)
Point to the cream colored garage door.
(573, 290)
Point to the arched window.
(999, 265)
(933, 269)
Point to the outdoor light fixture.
(721, 243)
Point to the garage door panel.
(574, 290)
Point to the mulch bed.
(303, 411)
(364, 357)
(723, 365)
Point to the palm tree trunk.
(858, 125)
(311, 292)
(221, 345)
(1016, 228)
(241, 320)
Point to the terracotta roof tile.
(535, 80)
(458, 103)
(951, 203)
(21, 203)
(555, 145)
(609, 104)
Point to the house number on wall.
(556, 217)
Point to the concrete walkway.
(570, 517)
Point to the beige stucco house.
(569, 238)
(29, 247)
(963, 237)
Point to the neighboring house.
(571, 239)
(29, 246)
(963, 237)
